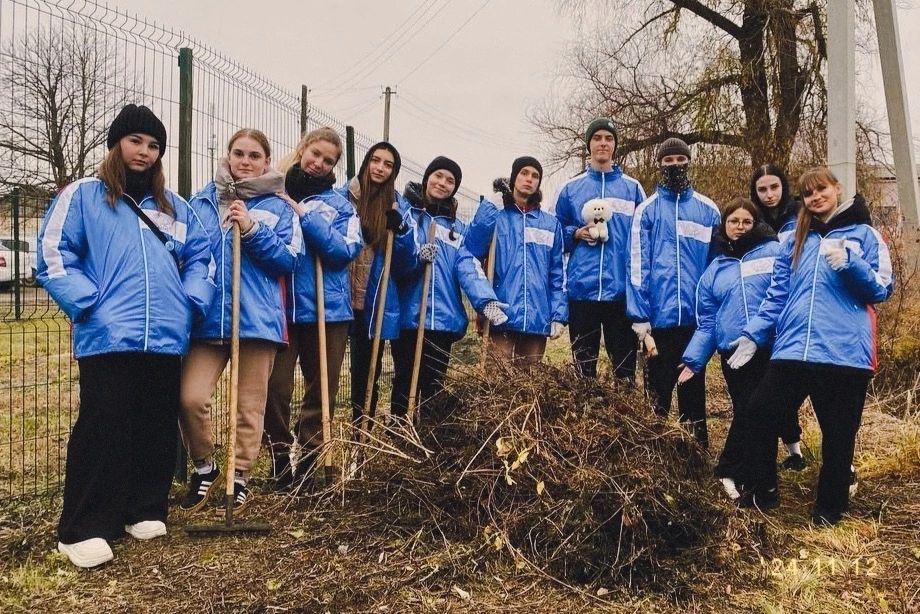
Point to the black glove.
(395, 221)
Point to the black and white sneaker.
(854, 482)
(241, 498)
(764, 500)
(199, 487)
(794, 462)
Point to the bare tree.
(743, 74)
(57, 92)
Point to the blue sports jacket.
(449, 275)
(115, 279)
(597, 272)
(821, 315)
(404, 261)
(669, 245)
(267, 253)
(528, 264)
(332, 232)
(730, 293)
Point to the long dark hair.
(813, 179)
(763, 171)
(112, 171)
(374, 199)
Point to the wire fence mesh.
(66, 68)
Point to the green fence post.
(185, 186)
(304, 109)
(350, 152)
(185, 122)
(17, 278)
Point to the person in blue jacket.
(382, 210)
(529, 274)
(821, 305)
(332, 233)
(770, 192)
(244, 191)
(727, 298)
(669, 247)
(440, 235)
(131, 294)
(596, 271)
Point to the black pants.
(435, 358)
(360, 348)
(122, 451)
(586, 321)
(662, 377)
(741, 385)
(838, 395)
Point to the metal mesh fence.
(66, 68)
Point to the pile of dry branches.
(564, 475)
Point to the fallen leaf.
(342, 549)
(462, 593)
(602, 591)
(502, 447)
(297, 533)
(272, 584)
(540, 487)
(803, 553)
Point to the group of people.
(783, 291)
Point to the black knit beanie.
(601, 123)
(397, 161)
(519, 164)
(672, 147)
(443, 163)
(134, 119)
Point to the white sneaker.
(146, 529)
(728, 485)
(87, 553)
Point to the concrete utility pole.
(889, 47)
(841, 96)
(304, 109)
(841, 92)
(386, 112)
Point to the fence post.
(17, 278)
(350, 152)
(185, 122)
(185, 187)
(304, 110)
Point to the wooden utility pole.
(386, 112)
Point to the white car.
(8, 249)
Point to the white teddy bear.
(596, 213)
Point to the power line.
(396, 45)
(381, 43)
(447, 40)
(444, 118)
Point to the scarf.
(760, 233)
(138, 184)
(230, 189)
(674, 177)
(300, 184)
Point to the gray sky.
(469, 101)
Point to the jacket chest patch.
(757, 266)
(539, 236)
(692, 230)
(444, 235)
(166, 223)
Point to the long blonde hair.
(813, 179)
(112, 172)
(320, 134)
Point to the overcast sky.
(492, 61)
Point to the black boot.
(282, 473)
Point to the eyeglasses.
(735, 222)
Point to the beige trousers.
(518, 348)
(201, 369)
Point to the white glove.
(494, 314)
(427, 252)
(641, 329)
(837, 257)
(555, 330)
(744, 351)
